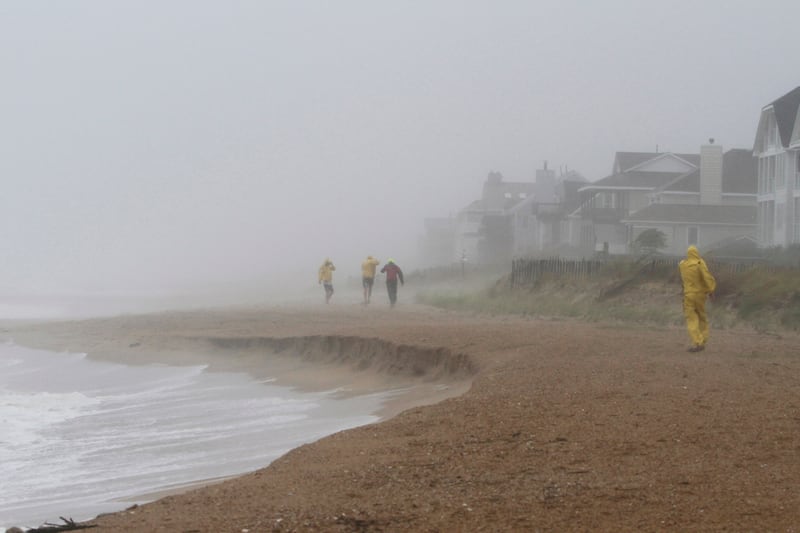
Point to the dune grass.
(766, 299)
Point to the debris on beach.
(68, 525)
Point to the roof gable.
(795, 140)
(634, 180)
(785, 111)
(786, 114)
(654, 162)
(666, 162)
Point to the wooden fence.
(527, 271)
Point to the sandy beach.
(503, 423)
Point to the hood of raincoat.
(692, 252)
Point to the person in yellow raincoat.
(698, 283)
(368, 276)
(326, 278)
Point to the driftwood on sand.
(68, 525)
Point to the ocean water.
(80, 437)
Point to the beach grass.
(765, 299)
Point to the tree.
(649, 241)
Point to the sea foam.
(81, 437)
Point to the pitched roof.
(738, 175)
(475, 205)
(573, 176)
(635, 179)
(695, 214)
(786, 108)
(628, 160)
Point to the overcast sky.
(150, 144)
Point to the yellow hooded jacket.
(695, 275)
(368, 267)
(326, 271)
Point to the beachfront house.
(606, 203)
(777, 148)
(514, 219)
(709, 207)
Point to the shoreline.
(304, 376)
(565, 425)
(179, 340)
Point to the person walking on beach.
(393, 274)
(368, 276)
(698, 283)
(326, 278)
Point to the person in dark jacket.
(393, 274)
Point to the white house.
(777, 147)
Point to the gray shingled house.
(708, 207)
(597, 222)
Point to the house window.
(767, 174)
(780, 175)
(692, 232)
(797, 172)
(771, 174)
(605, 200)
(771, 136)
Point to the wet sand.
(506, 423)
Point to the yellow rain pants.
(694, 310)
(698, 283)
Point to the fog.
(157, 145)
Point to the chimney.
(711, 174)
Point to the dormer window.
(771, 133)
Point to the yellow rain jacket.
(326, 271)
(695, 275)
(368, 267)
(697, 284)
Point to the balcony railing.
(605, 214)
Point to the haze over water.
(194, 143)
